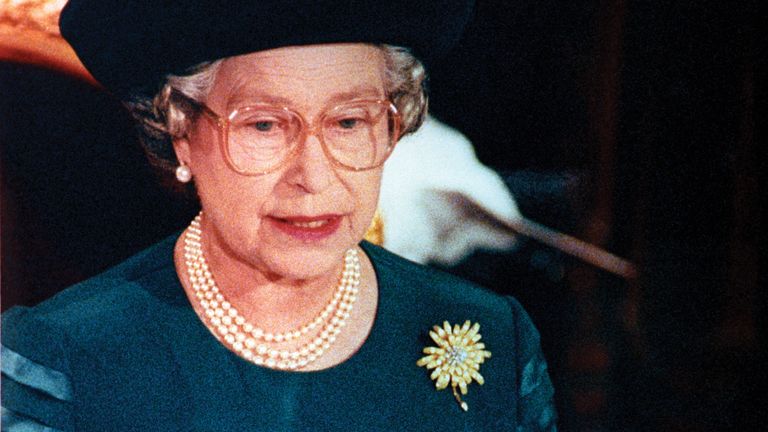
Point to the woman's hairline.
(198, 82)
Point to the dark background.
(628, 124)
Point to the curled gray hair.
(164, 117)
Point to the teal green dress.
(125, 351)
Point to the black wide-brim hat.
(131, 45)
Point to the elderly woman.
(269, 312)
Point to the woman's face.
(295, 222)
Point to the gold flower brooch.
(456, 359)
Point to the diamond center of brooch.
(456, 356)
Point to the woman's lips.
(307, 228)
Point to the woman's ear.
(182, 150)
(183, 171)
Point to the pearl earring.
(183, 173)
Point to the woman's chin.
(306, 265)
(297, 259)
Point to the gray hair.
(164, 117)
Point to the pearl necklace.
(253, 343)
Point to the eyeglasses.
(260, 138)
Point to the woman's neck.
(276, 306)
(269, 301)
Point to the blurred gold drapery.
(29, 33)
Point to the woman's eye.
(348, 123)
(264, 125)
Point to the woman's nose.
(311, 169)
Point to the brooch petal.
(456, 359)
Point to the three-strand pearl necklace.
(255, 344)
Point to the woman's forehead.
(311, 56)
(302, 73)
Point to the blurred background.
(627, 124)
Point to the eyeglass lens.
(356, 135)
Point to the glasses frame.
(307, 130)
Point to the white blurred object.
(439, 203)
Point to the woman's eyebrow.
(359, 92)
(250, 96)
(244, 96)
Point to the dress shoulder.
(115, 298)
(40, 343)
(422, 297)
(437, 285)
(110, 303)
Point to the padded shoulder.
(113, 302)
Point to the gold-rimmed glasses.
(260, 138)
